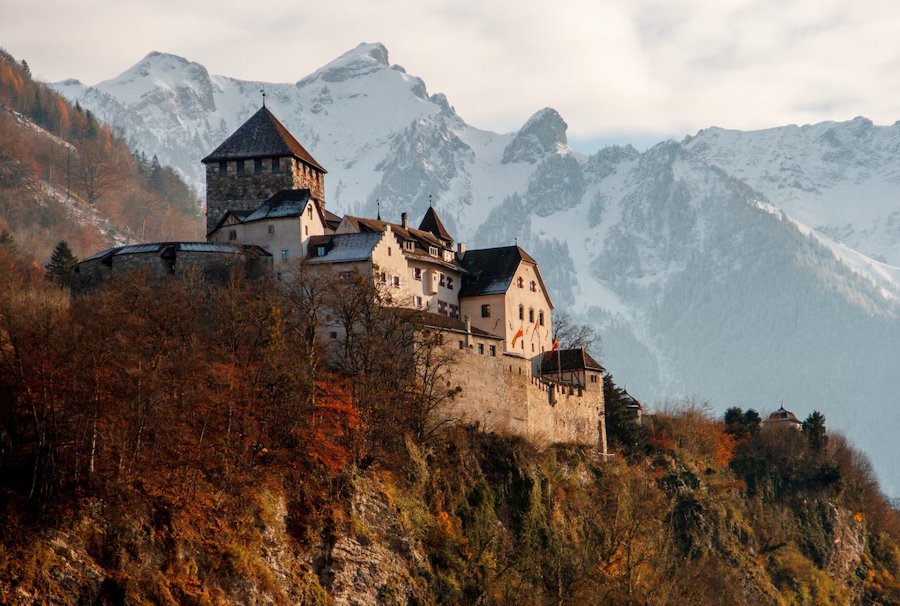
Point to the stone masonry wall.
(214, 266)
(502, 395)
(248, 191)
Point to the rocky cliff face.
(747, 268)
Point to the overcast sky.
(615, 69)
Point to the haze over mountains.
(746, 268)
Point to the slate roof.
(432, 224)
(174, 247)
(348, 247)
(566, 360)
(421, 239)
(261, 136)
(489, 271)
(283, 204)
(452, 324)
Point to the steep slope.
(748, 268)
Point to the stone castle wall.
(502, 395)
(248, 191)
(216, 267)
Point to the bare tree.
(571, 335)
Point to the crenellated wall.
(502, 395)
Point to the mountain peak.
(542, 133)
(366, 58)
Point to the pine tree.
(59, 269)
(814, 430)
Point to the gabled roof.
(284, 204)
(261, 136)
(331, 220)
(432, 224)
(231, 217)
(489, 271)
(423, 240)
(565, 360)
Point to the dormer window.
(320, 251)
(409, 245)
(276, 165)
(433, 251)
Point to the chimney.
(404, 220)
(460, 250)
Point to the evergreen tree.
(814, 430)
(622, 427)
(59, 269)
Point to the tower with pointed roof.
(259, 159)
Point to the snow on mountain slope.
(746, 268)
(841, 179)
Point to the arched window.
(531, 316)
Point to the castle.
(266, 208)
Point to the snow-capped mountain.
(745, 268)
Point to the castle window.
(309, 211)
(240, 168)
(521, 310)
(409, 245)
(418, 301)
(271, 229)
(492, 350)
(450, 282)
(396, 281)
(533, 286)
(285, 254)
(320, 251)
(333, 334)
(257, 166)
(481, 349)
(462, 345)
(442, 307)
(454, 311)
(417, 273)
(383, 278)
(486, 310)
(443, 281)
(521, 282)
(531, 316)
(306, 230)
(276, 165)
(223, 168)
(541, 318)
(433, 251)
(232, 235)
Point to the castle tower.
(259, 159)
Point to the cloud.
(609, 66)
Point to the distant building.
(783, 418)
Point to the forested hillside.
(66, 176)
(211, 451)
